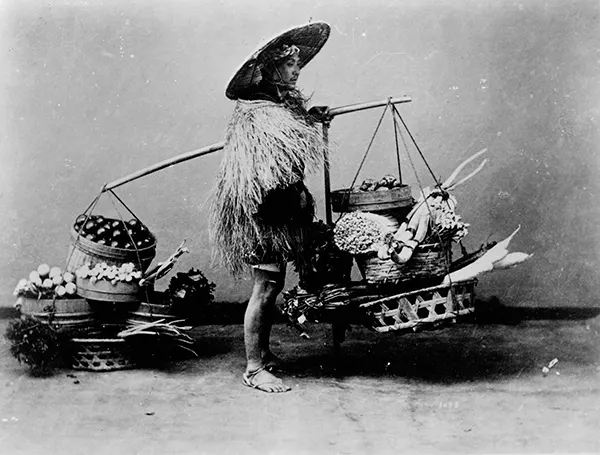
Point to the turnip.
(68, 277)
(43, 270)
(35, 277)
(70, 288)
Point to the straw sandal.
(272, 362)
(248, 379)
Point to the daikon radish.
(422, 228)
(473, 270)
(405, 254)
(510, 260)
(500, 250)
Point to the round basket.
(428, 262)
(84, 251)
(69, 314)
(346, 200)
(105, 291)
(101, 354)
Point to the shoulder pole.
(219, 146)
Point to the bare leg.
(257, 329)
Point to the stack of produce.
(102, 271)
(47, 283)
(362, 232)
(129, 235)
(387, 182)
(433, 219)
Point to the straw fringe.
(266, 147)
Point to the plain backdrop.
(94, 90)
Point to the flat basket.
(422, 309)
(429, 262)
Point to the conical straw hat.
(309, 38)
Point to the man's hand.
(321, 114)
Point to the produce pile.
(47, 283)
(387, 182)
(432, 219)
(130, 235)
(113, 273)
(362, 232)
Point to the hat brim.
(309, 38)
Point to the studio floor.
(475, 387)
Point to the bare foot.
(262, 380)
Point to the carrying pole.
(219, 146)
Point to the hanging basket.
(428, 308)
(347, 200)
(83, 251)
(429, 262)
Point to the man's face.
(288, 71)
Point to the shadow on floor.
(492, 311)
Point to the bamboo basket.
(105, 291)
(421, 309)
(83, 251)
(429, 262)
(346, 200)
(101, 354)
(68, 314)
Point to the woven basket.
(428, 262)
(68, 314)
(101, 354)
(84, 251)
(422, 309)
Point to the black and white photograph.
(315, 227)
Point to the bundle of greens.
(188, 294)
(33, 343)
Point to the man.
(261, 207)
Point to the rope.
(124, 205)
(137, 253)
(90, 208)
(416, 145)
(397, 147)
(371, 142)
(364, 158)
(437, 232)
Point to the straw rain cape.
(267, 147)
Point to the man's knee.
(268, 283)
